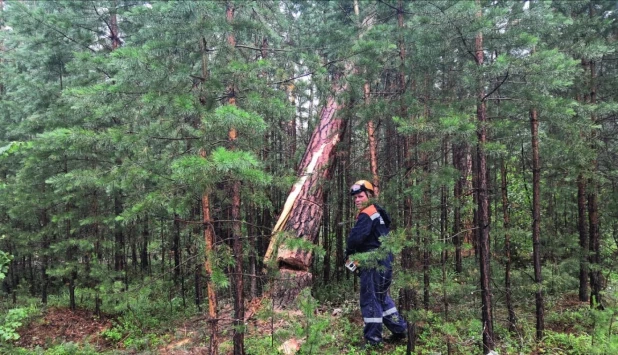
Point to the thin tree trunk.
(239, 309)
(134, 261)
(45, 262)
(338, 219)
(163, 246)
(253, 250)
(457, 212)
(483, 207)
(144, 249)
(239, 299)
(426, 231)
(373, 145)
(290, 129)
(443, 236)
(595, 253)
(209, 238)
(408, 294)
(512, 319)
(71, 253)
(119, 260)
(197, 283)
(176, 249)
(427, 198)
(582, 227)
(119, 257)
(536, 224)
(593, 209)
(209, 235)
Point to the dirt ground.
(63, 325)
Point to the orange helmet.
(360, 186)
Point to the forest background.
(147, 149)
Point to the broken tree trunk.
(302, 212)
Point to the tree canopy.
(129, 129)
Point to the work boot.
(395, 338)
(369, 345)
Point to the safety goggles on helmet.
(360, 186)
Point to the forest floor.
(64, 325)
(61, 325)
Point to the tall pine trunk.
(209, 232)
(506, 215)
(237, 247)
(582, 227)
(458, 196)
(44, 220)
(119, 240)
(373, 144)
(483, 206)
(209, 238)
(593, 208)
(536, 224)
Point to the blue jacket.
(371, 223)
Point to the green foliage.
(5, 260)
(565, 343)
(312, 328)
(71, 348)
(143, 314)
(12, 320)
(107, 149)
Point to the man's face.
(360, 200)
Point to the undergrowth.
(327, 320)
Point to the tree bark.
(460, 154)
(536, 224)
(483, 206)
(209, 235)
(144, 264)
(593, 209)
(341, 190)
(444, 212)
(119, 260)
(506, 208)
(114, 32)
(176, 249)
(426, 231)
(45, 262)
(373, 145)
(582, 227)
(303, 209)
(209, 238)
(239, 299)
(326, 240)
(595, 252)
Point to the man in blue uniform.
(377, 307)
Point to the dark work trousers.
(376, 305)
